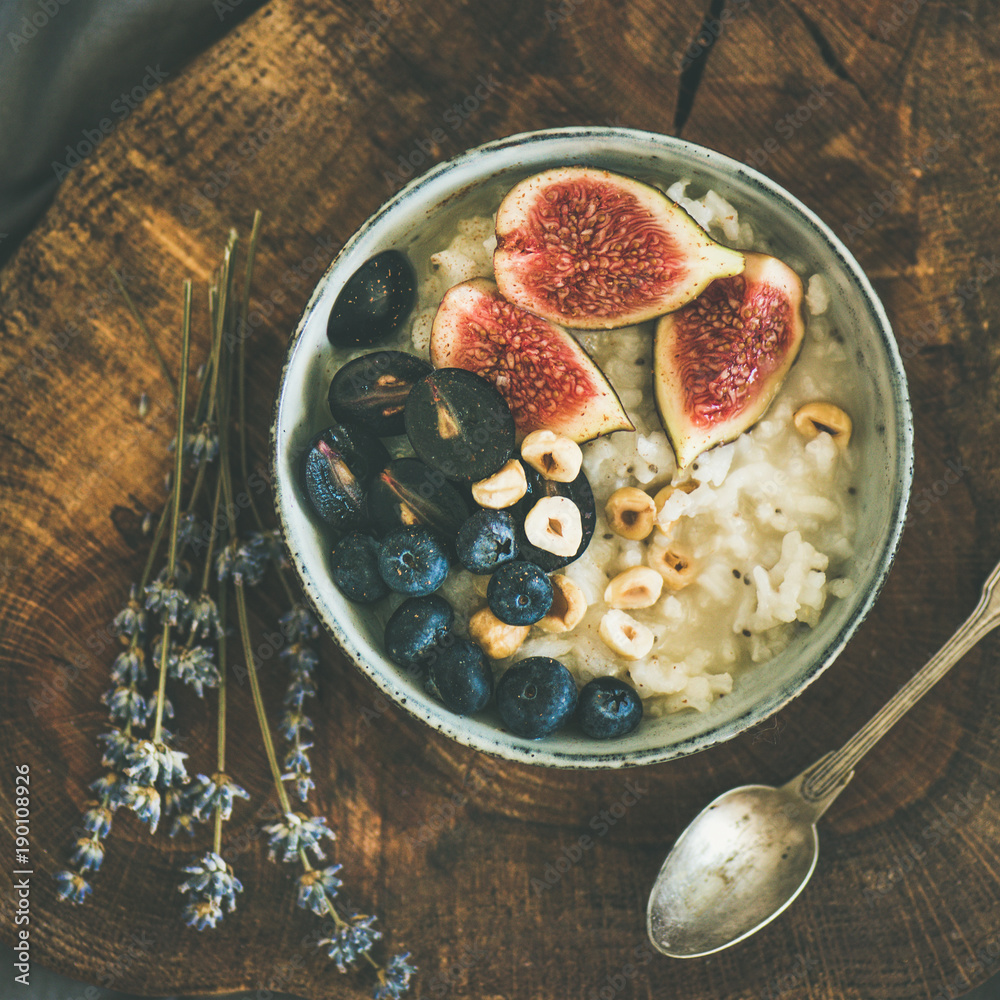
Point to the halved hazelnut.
(663, 495)
(554, 525)
(630, 512)
(497, 639)
(556, 457)
(621, 633)
(676, 568)
(813, 419)
(568, 606)
(503, 489)
(638, 587)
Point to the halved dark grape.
(337, 470)
(459, 424)
(578, 491)
(374, 301)
(408, 492)
(371, 390)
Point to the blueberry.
(459, 676)
(536, 696)
(486, 541)
(354, 568)
(519, 593)
(416, 627)
(413, 561)
(608, 707)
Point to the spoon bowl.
(748, 854)
(742, 860)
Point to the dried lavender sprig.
(213, 886)
(302, 661)
(178, 483)
(167, 374)
(212, 889)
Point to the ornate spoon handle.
(820, 784)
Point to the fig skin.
(591, 249)
(712, 379)
(548, 380)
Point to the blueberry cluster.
(403, 524)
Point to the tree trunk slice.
(298, 113)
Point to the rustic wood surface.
(300, 113)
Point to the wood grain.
(298, 114)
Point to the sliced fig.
(719, 361)
(590, 249)
(547, 378)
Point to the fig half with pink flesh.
(548, 380)
(720, 360)
(591, 249)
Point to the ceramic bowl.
(415, 220)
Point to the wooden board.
(301, 113)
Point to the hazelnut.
(813, 419)
(676, 568)
(625, 636)
(497, 639)
(630, 512)
(556, 457)
(554, 525)
(503, 489)
(663, 495)
(638, 587)
(568, 606)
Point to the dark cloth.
(71, 71)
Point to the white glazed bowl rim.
(495, 156)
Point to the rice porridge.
(760, 528)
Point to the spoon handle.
(820, 783)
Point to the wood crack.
(692, 72)
(826, 50)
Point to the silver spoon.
(748, 854)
